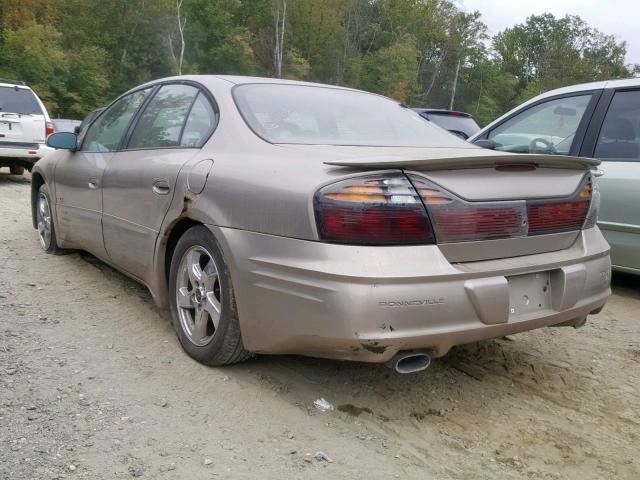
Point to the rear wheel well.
(174, 236)
(36, 182)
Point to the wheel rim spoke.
(184, 298)
(212, 307)
(209, 277)
(194, 269)
(200, 321)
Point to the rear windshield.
(299, 114)
(458, 123)
(18, 100)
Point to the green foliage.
(80, 54)
(34, 52)
(547, 52)
(391, 70)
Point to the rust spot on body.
(374, 347)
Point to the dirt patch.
(93, 384)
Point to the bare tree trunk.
(278, 51)
(480, 90)
(455, 85)
(181, 24)
(436, 72)
(178, 59)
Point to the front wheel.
(203, 305)
(44, 219)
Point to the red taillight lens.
(372, 210)
(48, 129)
(555, 216)
(456, 220)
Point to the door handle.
(161, 187)
(597, 172)
(93, 183)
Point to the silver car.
(273, 216)
(600, 120)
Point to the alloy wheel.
(44, 221)
(198, 296)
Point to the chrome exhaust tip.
(409, 362)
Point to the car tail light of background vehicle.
(48, 129)
(372, 210)
(392, 210)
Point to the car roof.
(240, 80)
(581, 87)
(15, 85)
(244, 80)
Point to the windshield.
(18, 100)
(300, 114)
(548, 127)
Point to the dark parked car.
(459, 123)
(65, 124)
(600, 120)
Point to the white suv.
(24, 127)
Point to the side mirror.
(486, 143)
(63, 140)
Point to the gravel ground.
(93, 384)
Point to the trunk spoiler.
(463, 159)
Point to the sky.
(613, 17)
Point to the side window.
(200, 124)
(545, 128)
(618, 137)
(161, 123)
(105, 134)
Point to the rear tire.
(203, 304)
(16, 170)
(45, 225)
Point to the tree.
(178, 58)
(547, 52)
(80, 54)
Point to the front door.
(79, 200)
(140, 180)
(79, 175)
(618, 146)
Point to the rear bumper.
(23, 156)
(368, 303)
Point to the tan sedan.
(277, 217)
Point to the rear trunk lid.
(493, 205)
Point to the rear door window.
(19, 100)
(200, 124)
(619, 137)
(161, 124)
(548, 127)
(105, 134)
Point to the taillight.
(457, 220)
(48, 129)
(380, 209)
(565, 215)
(594, 207)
